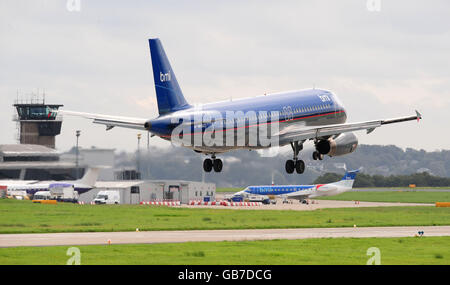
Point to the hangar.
(136, 191)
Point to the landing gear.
(295, 164)
(214, 163)
(217, 164)
(207, 165)
(290, 166)
(298, 166)
(317, 156)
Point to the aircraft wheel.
(217, 164)
(300, 166)
(207, 165)
(290, 166)
(315, 155)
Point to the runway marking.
(96, 238)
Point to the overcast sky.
(382, 64)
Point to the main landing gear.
(209, 164)
(295, 164)
(317, 155)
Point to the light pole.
(138, 155)
(77, 133)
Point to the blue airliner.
(302, 192)
(289, 118)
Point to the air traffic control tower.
(37, 123)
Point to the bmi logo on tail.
(163, 77)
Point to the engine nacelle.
(345, 143)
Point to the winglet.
(419, 116)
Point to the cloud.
(381, 64)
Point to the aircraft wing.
(297, 196)
(109, 121)
(300, 195)
(300, 133)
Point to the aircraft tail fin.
(348, 179)
(168, 92)
(90, 177)
(350, 175)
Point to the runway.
(69, 239)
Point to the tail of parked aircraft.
(348, 179)
(90, 177)
(168, 92)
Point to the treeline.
(423, 179)
(243, 168)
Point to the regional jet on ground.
(289, 118)
(302, 192)
(86, 183)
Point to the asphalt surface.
(314, 205)
(73, 239)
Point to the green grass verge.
(27, 217)
(421, 250)
(407, 188)
(393, 196)
(229, 189)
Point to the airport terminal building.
(34, 162)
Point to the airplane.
(302, 192)
(293, 118)
(86, 183)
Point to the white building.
(136, 191)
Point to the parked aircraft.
(302, 192)
(86, 183)
(287, 118)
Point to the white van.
(42, 195)
(107, 197)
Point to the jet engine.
(344, 143)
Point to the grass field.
(408, 188)
(414, 250)
(393, 196)
(27, 217)
(229, 189)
